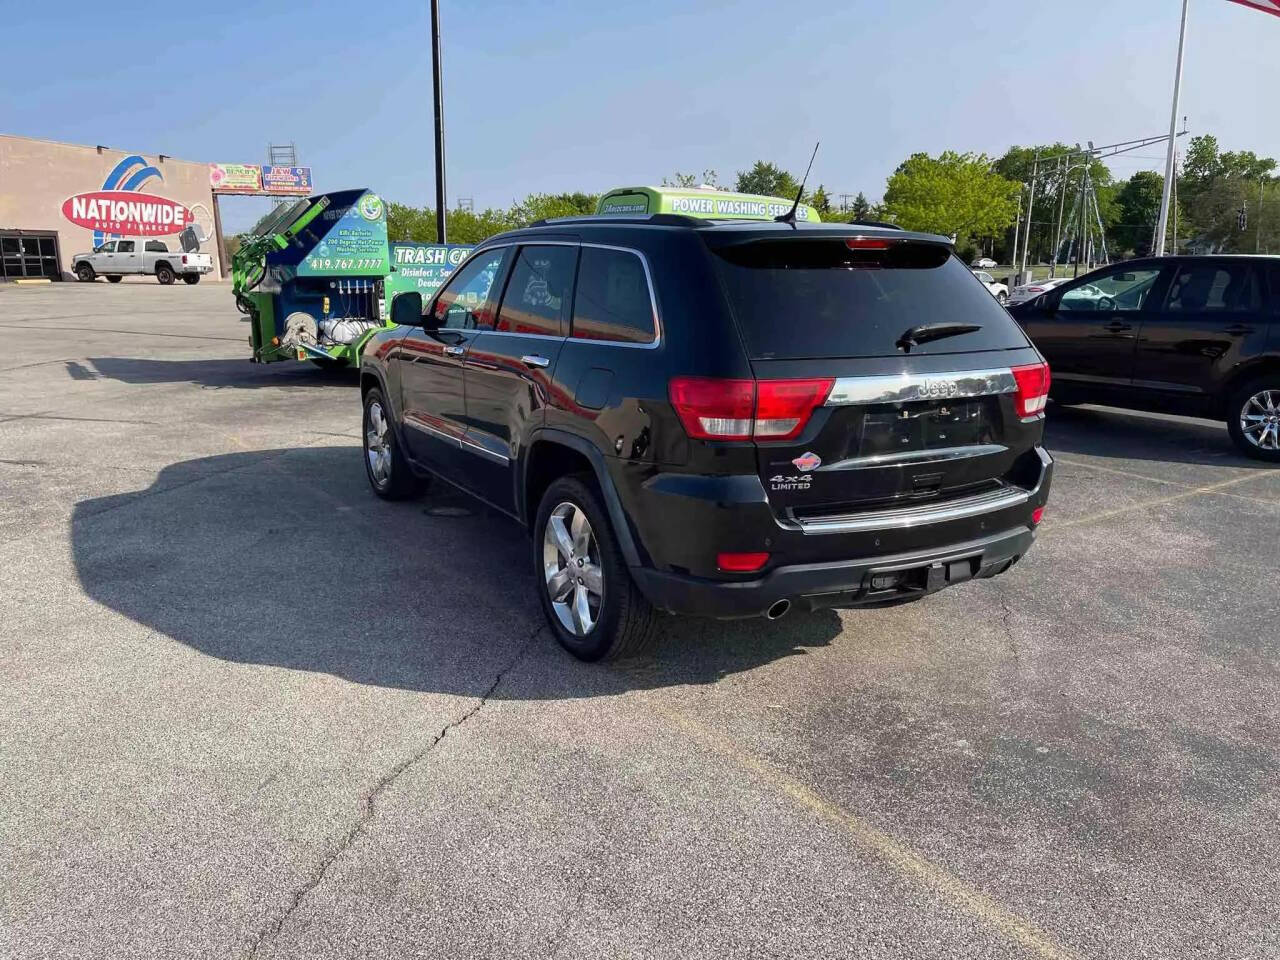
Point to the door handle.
(1115, 326)
(454, 351)
(533, 360)
(1239, 330)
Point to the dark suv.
(718, 418)
(1192, 335)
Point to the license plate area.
(929, 425)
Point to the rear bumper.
(858, 560)
(842, 584)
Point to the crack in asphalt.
(271, 931)
(1006, 620)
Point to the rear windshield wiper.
(914, 336)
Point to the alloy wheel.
(571, 566)
(377, 446)
(1260, 420)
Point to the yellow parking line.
(894, 852)
(1156, 502)
(1120, 473)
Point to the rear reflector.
(712, 409)
(1033, 389)
(741, 562)
(1036, 516)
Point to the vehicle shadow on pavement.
(1134, 435)
(234, 373)
(284, 558)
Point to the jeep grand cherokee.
(728, 419)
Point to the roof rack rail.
(660, 219)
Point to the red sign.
(127, 212)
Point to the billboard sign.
(423, 266)
(235, 177)
(287, 180)
(126, 213)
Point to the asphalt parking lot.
(249, 710)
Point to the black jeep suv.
(1192, 335)
(718, 418)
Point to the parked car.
(1029, 291)
(725, 419)
(997, 289)
(984, 263)
(1192, 335)
(117, 258)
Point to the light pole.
(441, 232)
(1169, 171)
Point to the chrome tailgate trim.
(902, 517)
(921, 386)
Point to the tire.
(622, 623)
(84, 273)
(191, 279)
(388, 471)
(1253, 418)
(115, 278)
(164, 273)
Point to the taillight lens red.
(866, 243)
(1036, 516)
(712, 409)
(184, 258)
(1033, 389)
(741, 562)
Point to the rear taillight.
(184, 259)
(741, 562)
(866, 243)
(713, 409)
(1036, 516)
(1033, 389)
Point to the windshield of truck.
(804, 297)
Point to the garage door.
(24, 254)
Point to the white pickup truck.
(116, 258)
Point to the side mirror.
(406, 309)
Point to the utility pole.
(441, 232)
(1257, 238)
(1063, 171)
(1017, 225)
(1169, 170)
(1031, 202)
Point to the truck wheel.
(191, 278)
(164, 273)
(592, 604)
(84, 273)
(388, 470)
(115, 278)
(1253, 418)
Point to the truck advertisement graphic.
(423, 266)
(354, 241)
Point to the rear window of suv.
(817, 298)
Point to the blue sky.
(570, 94)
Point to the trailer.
(311, 278)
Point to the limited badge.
(807, 462)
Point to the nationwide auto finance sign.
(127, 213)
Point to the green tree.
(1214, 186)
(861, 208)
(1058, 177)
(768, 180)
(820, 201)
(951, 194)
(542, 206)
(1138, 209)
(689, 180)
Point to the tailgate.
(923, 403)
(948, 431)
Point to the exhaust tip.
(779, 610)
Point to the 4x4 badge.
(807, 462)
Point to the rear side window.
(124, 246)
(537, 297)
(155, 246)
(809, 298)
(612, 301)
(1212, 287)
